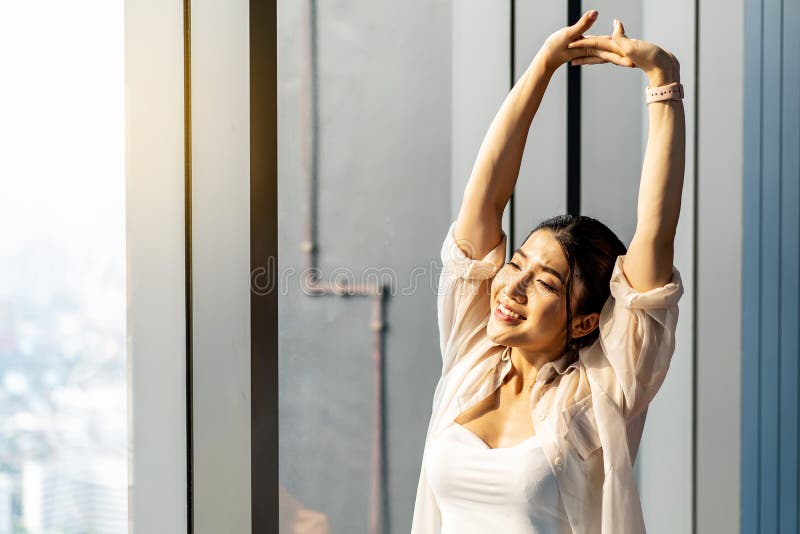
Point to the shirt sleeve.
(637, 335)
(464, 296)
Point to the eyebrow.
(543, 266)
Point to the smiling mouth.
(503, 313)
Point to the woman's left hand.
(657, 63)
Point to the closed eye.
(549, 288)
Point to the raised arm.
(497, 165)
(648, 262)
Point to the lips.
(507, 304)
(505, 313)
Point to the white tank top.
(506, 489)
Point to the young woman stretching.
(549, 361)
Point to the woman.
(549, 361)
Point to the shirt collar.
(553, 368)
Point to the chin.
(503, 334)
(496, 332)
(493, 335)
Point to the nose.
(518, 287)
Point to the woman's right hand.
(557, 49)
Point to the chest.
(503, 418)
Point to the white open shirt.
(588, 408)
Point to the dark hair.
(591, 249)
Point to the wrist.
(664, 75)
(542, 65)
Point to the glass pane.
(364, 119)
(63, 393)
(376, 120)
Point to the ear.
(584, 324)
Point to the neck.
(526, 365)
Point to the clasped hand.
(570, 44)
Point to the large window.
(63, 395)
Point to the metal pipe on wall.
(310, 280)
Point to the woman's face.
(533, 284)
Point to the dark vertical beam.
(573, 123)
(264, 255)
(187, 180)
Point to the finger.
(603, 42)
(581, 37)
(574, 53)
(583, 24)
(611, 57)
(627, 46)
(589, 60)
(620, 27)
(619, 30)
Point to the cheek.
(497, 284)
(547, 310)
(492, 294)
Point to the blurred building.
(87, 494)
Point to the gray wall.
(541, 190)
(719, 269)
(612, 111)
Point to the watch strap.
(672, 91)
